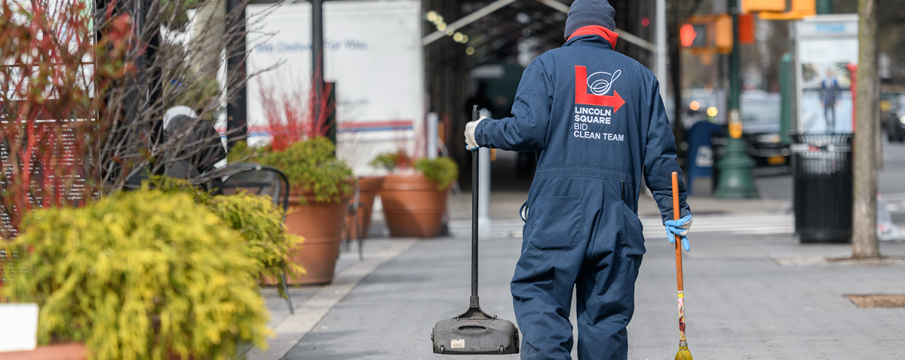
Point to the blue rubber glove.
(679, 228)
(470, 143)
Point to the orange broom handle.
(675, 215)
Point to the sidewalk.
(752, 292)
(741, 303)
(745, 296)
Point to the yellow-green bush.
(139, 275)
(253, 216)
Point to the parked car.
(760, 119)
(697, 103)
(892, 115)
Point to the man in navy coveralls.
(598, 125)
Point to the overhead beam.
(458, 24)
(496, 5)
(625, 35)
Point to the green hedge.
(139, 275)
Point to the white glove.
(470, 143)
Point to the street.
(891, 182)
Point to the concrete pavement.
(741, 303)
(752, 292)
(748, 296)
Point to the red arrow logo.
(583, 97)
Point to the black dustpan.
(475, 332)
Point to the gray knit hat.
(589, 12)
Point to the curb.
(308, 314)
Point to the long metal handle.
(474, 218)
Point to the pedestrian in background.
(829, 90)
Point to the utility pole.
(824, 7)
(736, 179)
(866, 161)
(661, 46)
(317, 59)
(236, 111)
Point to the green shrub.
(139, 275)
(261, 223)
(253, 216)
(311, 165)
(441, 170)
(392, 161)
(242, 152)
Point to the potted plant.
(132, 276)
(360, 222)
(414, 194)
(320, 189)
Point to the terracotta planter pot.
(369, 185)
(412, 205)
(72, 351)
(321, 225)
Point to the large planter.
(71, 351)
(412, 205)
(369, 186)
(321, 225)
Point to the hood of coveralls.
(590, 13)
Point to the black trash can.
(822, 165)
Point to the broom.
(683, 353)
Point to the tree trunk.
(864, 237)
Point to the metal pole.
(317, 56)
(736, 180)
(432, 121)
(236, 114)
(661, 46)
(734, 60)
(484, 223)
(824, 7)
(785, 90)
(475, 185)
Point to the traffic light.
(796, 10)
(746, 26)
(722, 27)
(707, 34)
(694, 36)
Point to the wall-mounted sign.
(372, 51)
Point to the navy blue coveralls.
(597, 123)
